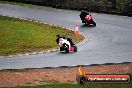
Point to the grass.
(18, 36)
(80, 86)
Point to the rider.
(83, 15)
(70, 40)
(64, 37)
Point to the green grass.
(18, 36)
(80, 86)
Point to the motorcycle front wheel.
(66, 48)
(94, 24)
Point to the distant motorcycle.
(87, 19)
(66, 44)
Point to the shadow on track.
(86, 26)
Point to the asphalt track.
(109, 42)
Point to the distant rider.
(83, 15)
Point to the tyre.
(66, 47)
(94, 24)
(75, 48)
(67, 51)
(61, 49)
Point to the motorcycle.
(87, 19)
(66, 44)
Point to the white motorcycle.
(66, 44)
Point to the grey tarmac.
(109, 42)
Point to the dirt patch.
(57, 75)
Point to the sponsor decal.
(83, 78)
